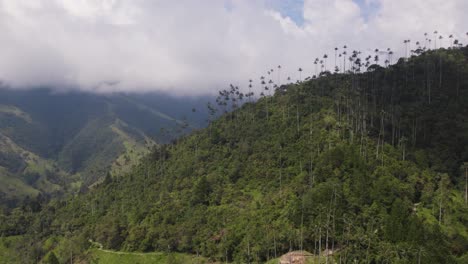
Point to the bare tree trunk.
(440, 71)
(440, 208)
(419, 256)
(274, 243)
(297, 117)
(320, 243)
(281, 169)
(466, 184)
(248, 251)
(302, 226)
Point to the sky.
(192, 47)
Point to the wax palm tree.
(315, 63)
(336, 52)
(344, 58)
(266, 100)
(339, 56)
(300, 74)
(325, 57)
(425, 40)
(440, 63)
(279, 74)
(249, 95)
(270, 83)
(390, 55)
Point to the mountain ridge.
(81, 135)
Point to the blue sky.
(294, 8)
(290, 8)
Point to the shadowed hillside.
(61, 142)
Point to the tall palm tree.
(440, 63)
(406, 48)
(339, 56)
(325, 57)
(250, 90)
(425, 40)
(344, 58)
(315, 63)
(435, 39)
(279, 75)
(336, 53)
(270, 83)
(390, 55)
(300, 74)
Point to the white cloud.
(193, 46)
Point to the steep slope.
(61, 142)
(355, 167)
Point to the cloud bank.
(197, 47)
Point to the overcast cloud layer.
(196, 47)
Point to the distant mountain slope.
(73, 139)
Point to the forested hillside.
(53, 143)
(355, 167)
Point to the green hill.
(362, 167)
(55, 143)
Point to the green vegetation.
(109, 257)
(48, 147)
(353, 167)
(8, 252)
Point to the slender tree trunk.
(297, 117)
(440, 71)
(274, 243)
(440, 208)
(320, 243)
(302, 225)
(248, 251)
(281, 169)
(419, 256)
(466, 184)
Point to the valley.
(56, 144)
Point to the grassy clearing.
(12, 186)
(134, 150)
(13, 110)
(8, 253)
(111, 257)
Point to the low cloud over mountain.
(196, 47)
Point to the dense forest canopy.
(351, 165)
